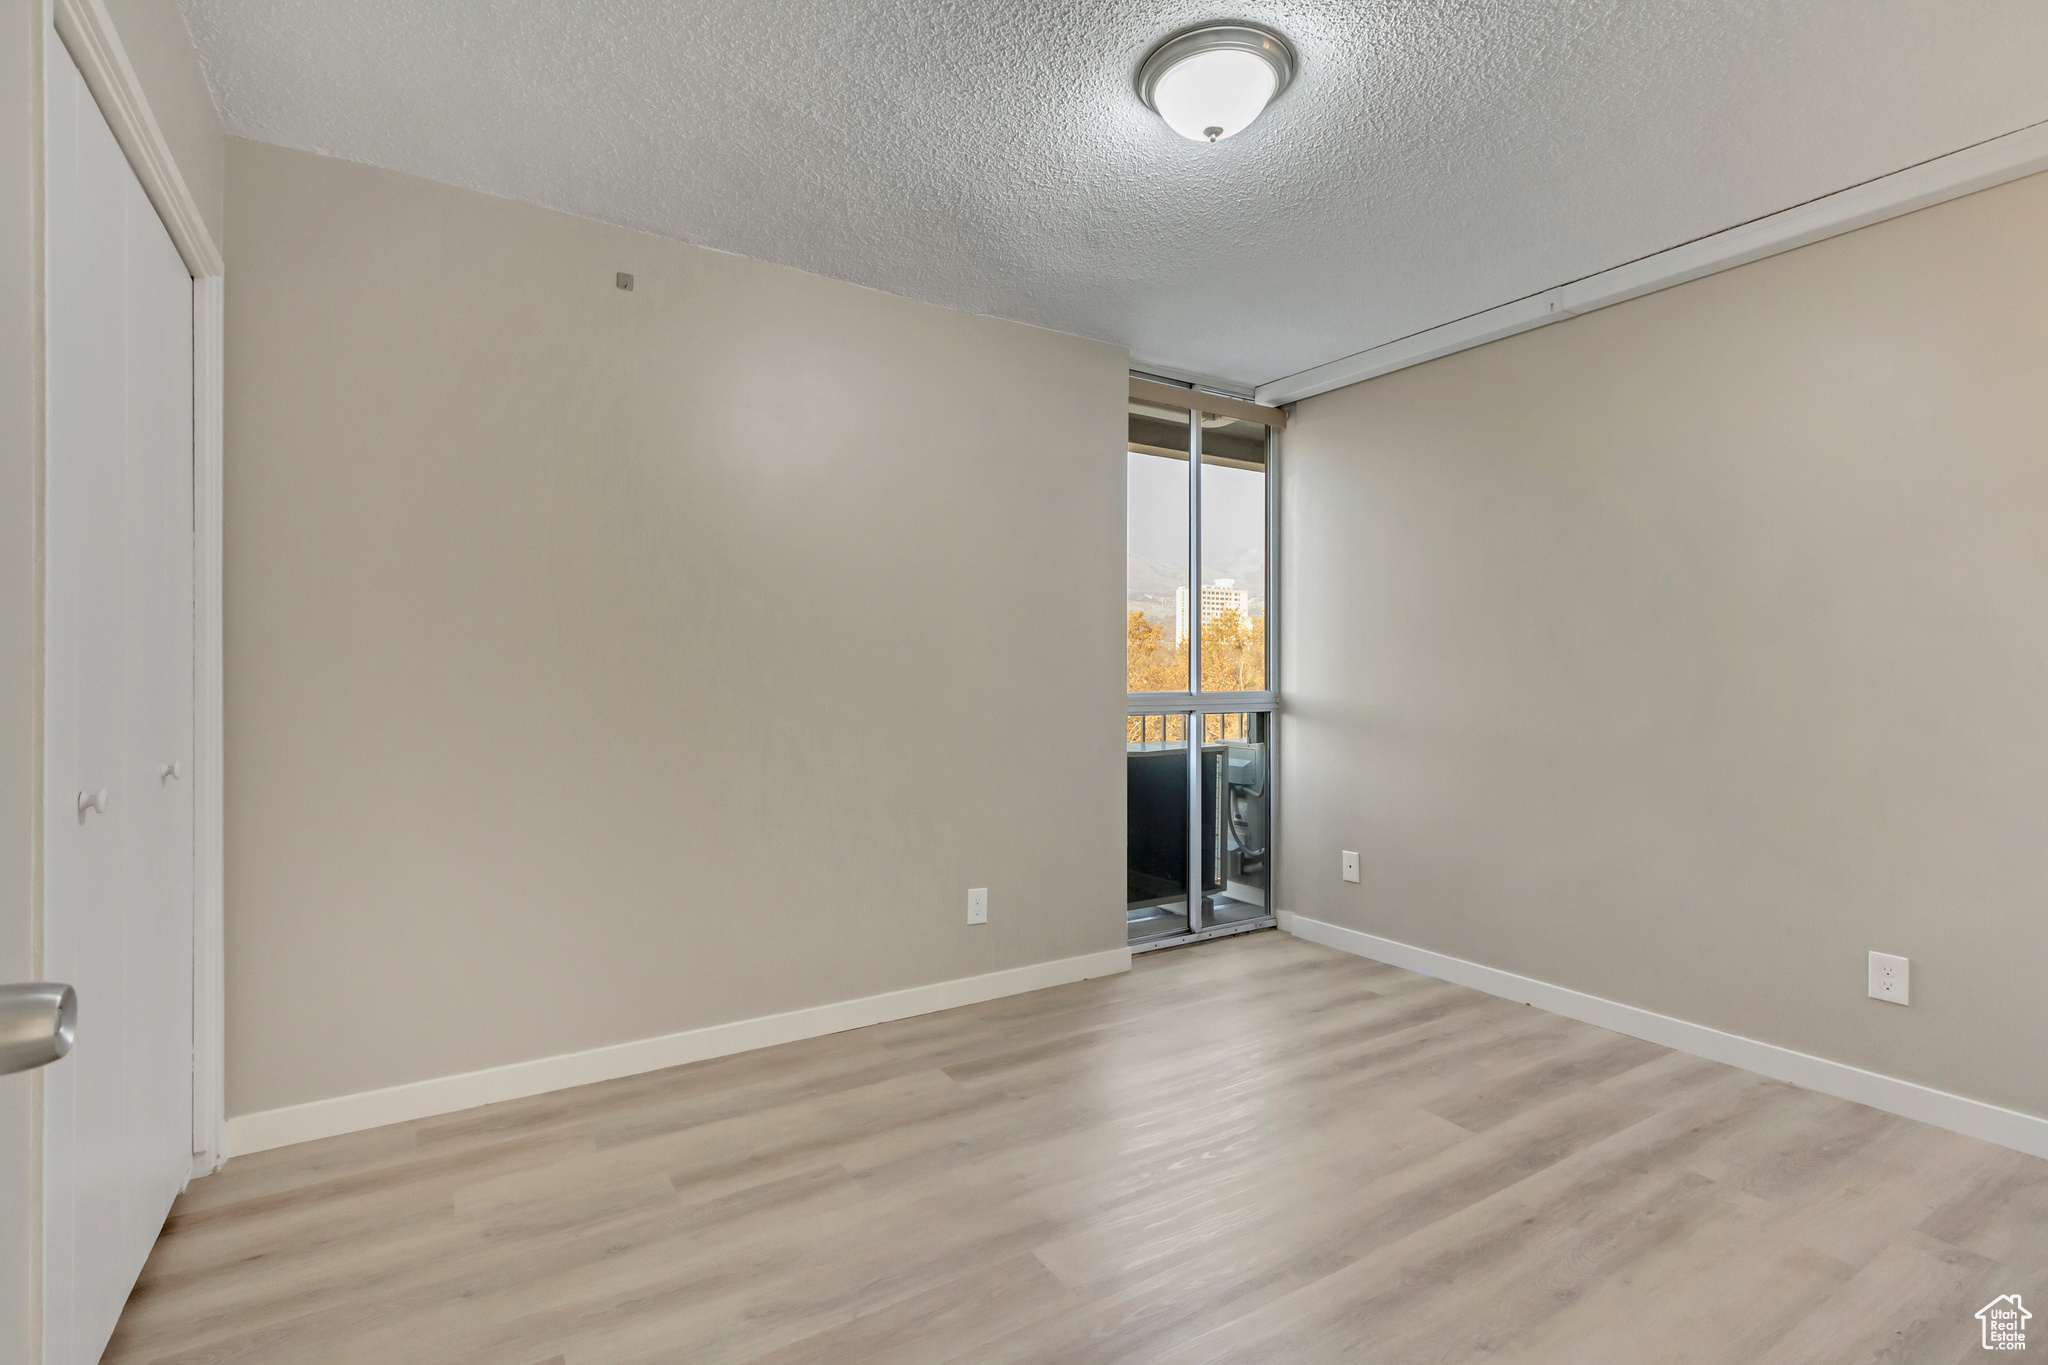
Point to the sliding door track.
(1244, 926)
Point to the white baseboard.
(2007, 1127)
(269, 1128)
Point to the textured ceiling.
(1433, 157)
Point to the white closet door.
(118, 881)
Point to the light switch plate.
(977, 905)
(1350, 866)
(1890, 979)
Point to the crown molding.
(1974, 168)
(89, 35)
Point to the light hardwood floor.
(1251, 1150)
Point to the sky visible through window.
(1233, 532)
(1233, 554)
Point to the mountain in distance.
(1150, 583)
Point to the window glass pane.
(1237, 805)
(1233, 569)
(1156, 826)
(1156, 549)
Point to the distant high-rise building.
(1218, 597)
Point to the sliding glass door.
(1198, 741)
(1156, 784)
(1237, 809)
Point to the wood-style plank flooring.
(1249, 1150)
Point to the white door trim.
(1993, 162)
(209, 870)
(89, 35)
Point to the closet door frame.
(87, 33)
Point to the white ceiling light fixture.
(1211, 82)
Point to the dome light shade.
(1211, 82)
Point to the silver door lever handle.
(92, 801)
(38, 1023)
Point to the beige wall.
(602, 665)
(1685, 652)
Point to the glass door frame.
(1195, 704)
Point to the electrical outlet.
(977, 905)
(1890, 979)
(1350, 866)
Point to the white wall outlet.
(977, 906)
(1889, 979)
(1350, 866)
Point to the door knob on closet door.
(38, 1021)
(171, 770)
(92, 801)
